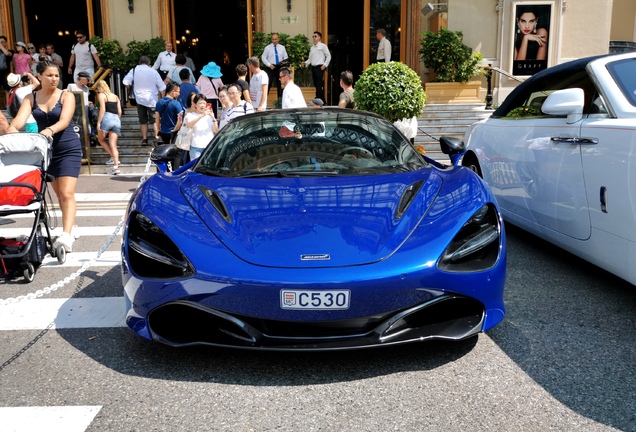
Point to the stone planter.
(452, 93)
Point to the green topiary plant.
(112, 55)
(298, 50)
(135, 49)
(392, 90)
(446, 54)
(110, 51)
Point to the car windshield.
(311, 142)
(624, 73)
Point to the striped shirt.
(237, 111)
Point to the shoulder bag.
(131, 96)
(184, 137)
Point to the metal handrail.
(100, 75)
(489, 70)
(114, 78)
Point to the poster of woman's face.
(531, 38)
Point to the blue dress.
(66, 156)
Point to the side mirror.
(452, 147)
(163, 154)
(566, 102)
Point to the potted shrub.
(453, 63)
(394, 91)
(298, 50)
(109, 51)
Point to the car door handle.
(574, 140)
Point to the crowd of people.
(166, 95)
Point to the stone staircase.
(436, 120)
(446, 120)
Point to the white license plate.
(315, 300)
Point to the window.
(624, 73)
(527, 103)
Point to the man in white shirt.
(258, 84)
(384, 47)
(292, 95)
(165, 61)
(83, 56)
(148, 87)
(273, 55)
(319, 58)
(81, 85)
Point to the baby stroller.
(24, 160)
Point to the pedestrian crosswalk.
(98, 215)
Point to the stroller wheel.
(29, 272)
(60, 253)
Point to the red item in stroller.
(24, 160)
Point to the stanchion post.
(489, 90)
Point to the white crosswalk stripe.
(78, 259)
(82, 231)
(47, 418)
(80, 213)
(66, 313)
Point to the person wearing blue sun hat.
(209, 84)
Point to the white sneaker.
(110, 162)
(66, 240)
(75, 232)
(115, 171)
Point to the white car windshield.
(624, 73)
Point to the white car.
(560, 156)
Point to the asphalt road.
(563, 359)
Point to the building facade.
(222, 31)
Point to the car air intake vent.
(216, 202)
(407, 198)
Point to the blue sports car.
(312, 229)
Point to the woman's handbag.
(184, 137)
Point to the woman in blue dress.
(53, 111)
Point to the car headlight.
(151, 252)
(476, 245)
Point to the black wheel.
(470, 162)
(61, 254)
(29, 272)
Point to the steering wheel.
(363, 152)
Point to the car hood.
(312, 222)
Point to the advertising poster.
(531, 37)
